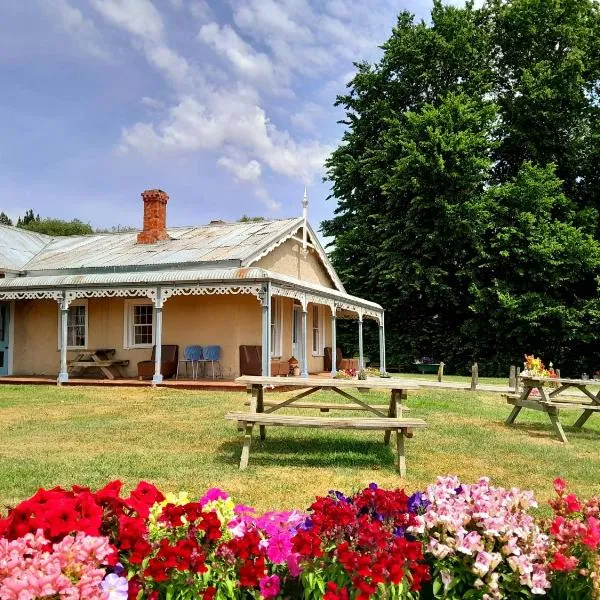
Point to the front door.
(297, 333)
(4, 341)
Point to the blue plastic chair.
(193, 355)
(212, 354)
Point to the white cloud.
(306, 118)
(152, 103)
(138, 17)
(250, 65)
(223, 107)
(244, 171)
(230, 118)
(263, 195)
(82, 29)
(201, 10)
(142, 20)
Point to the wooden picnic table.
(548, 401)
(102, 359)
(387, 420)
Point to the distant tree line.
(468, 186)
(58, 227)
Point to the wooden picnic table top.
(560, 380)
(324, 382)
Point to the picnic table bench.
(99, 359)
(549, 402)
(387, 420)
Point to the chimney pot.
(155, 217)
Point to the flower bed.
(454, 540)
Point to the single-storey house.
(266, 283)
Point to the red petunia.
(563, 563)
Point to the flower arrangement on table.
(453, 541)
(534, 367)
(346, 374)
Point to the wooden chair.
(168, 362)
(341, 363)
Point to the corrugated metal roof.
(19, 246)
(175, 276)
(210, 243)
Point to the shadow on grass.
(541, 430)
(310, 452)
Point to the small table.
(102, 359)
(387, 420)
(549, 402)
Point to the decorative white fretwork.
(33, 295)
(304, 298)
(112, 293)
(214, 290)
(65, 297)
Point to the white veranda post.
(63, 376)
(333, 342)
(304, 372)
(158, 319)
(361, 362)
(381, 344)
(265, 297)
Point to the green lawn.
(453, 378)
(179, 440)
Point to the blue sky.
(227, 105)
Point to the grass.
(179, 440)
(453, 378)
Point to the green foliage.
(5, 219)
(27, 219)
(467, 185)
(57, 227)
(247, 219)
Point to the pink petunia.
(269, 586)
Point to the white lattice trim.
(33, 295)
(253, 290)
(304, 298)
(113, 293)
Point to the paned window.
(276, 327)
(317, 331)
(140, 325)
(77, 325)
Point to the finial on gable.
(305, 223)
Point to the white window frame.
(318, 326)
(84, 303)
(276, 327)
(128, 332)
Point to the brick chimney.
(155, 217)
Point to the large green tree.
(445, 137)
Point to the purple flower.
(399, 531)
(308, 524)
(417, 502)
(116, 587)
(373, 486)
